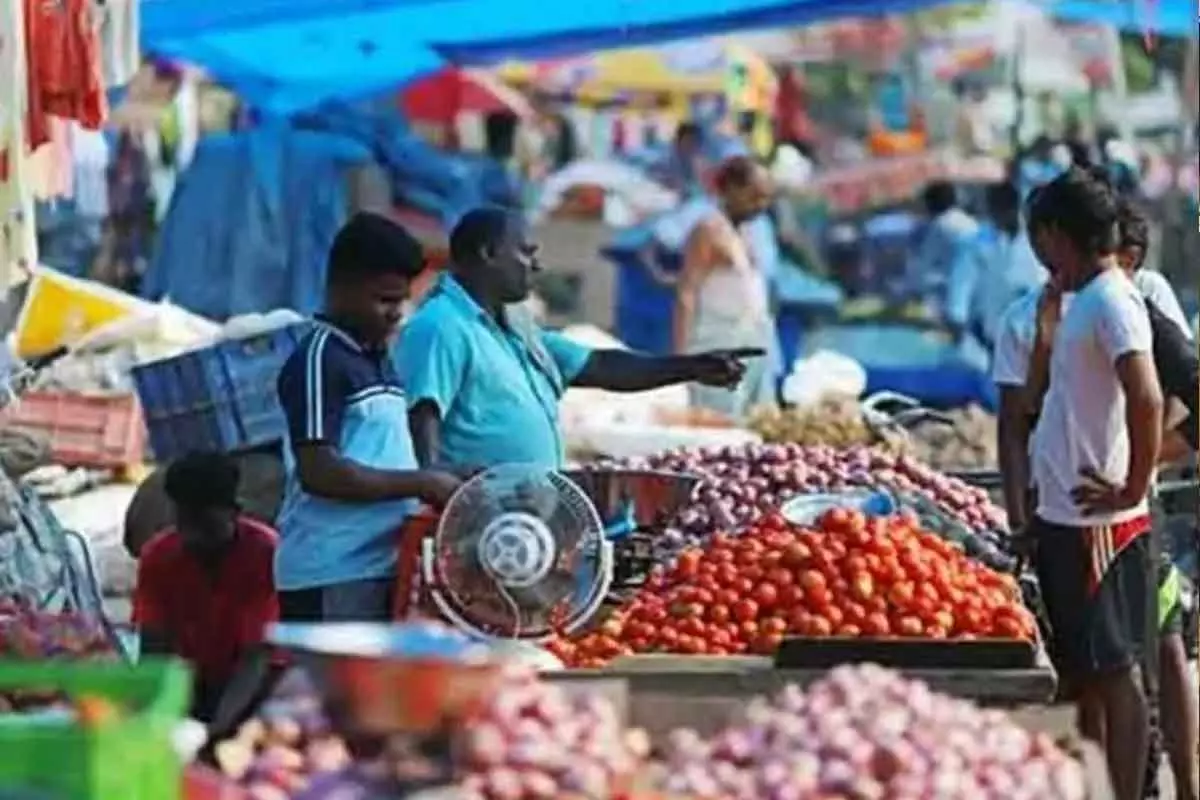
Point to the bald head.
(491, 250)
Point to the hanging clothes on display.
(63, 46)
(131, 213)
(18, 237)
(120, 55)
(90, 157)
(50, 165)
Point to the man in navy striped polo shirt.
(352, 477)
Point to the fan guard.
(519, 552)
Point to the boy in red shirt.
(205, 588)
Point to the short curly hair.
(199, 481)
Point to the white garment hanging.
(187, 112)
(18, 236)
(120, 54)
(91, 159)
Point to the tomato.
(821, 626)
(726, 597)
(818, 598)
(909, 625)
(688, 564)
(837, 615)
(745, 610)
(744, 586)
(668, 637)
(747, 630)
(902, 595)
(780, 577)
(703, 597)
(753, 574)
(854, 562)
(721, 555)
(798, 620)
(790, 596)
(747, 558)
(1006, 626)
(770, 560)
(853, 613)
(943, 619)
(811, 579)
(766, 644)
(849, 631)
(718, 613)
(834, 519)
(766, 595)
(862, 586)
(773, 625)
(796, 555)
(774, 521)
(876, 624)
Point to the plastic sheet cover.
(287, 55)
(251, 223)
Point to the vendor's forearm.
(324, 473)
(425, 427)
(1038, 381)
(625, 371)
(1013, 447)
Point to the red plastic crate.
(85, 430)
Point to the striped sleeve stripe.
(314, 386)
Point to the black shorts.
(1099, 589)
(354, 601)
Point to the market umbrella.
(690, 69)
(441, 97)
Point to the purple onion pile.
(867, 733)
(742, 482)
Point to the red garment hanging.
(63, 45)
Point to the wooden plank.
(667, 662)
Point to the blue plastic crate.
(221, 398)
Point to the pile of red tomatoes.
(847, 576)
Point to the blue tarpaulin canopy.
(1162, 17)
(285, 55)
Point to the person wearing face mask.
(205, 589)
(351, 476)
(483, 379)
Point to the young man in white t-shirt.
(1094, 452)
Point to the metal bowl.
(651, 497)
(382, 679)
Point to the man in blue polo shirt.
(352, 477)
(483, 379)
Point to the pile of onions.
(867, 733)
(742, 482)
(535, 741)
